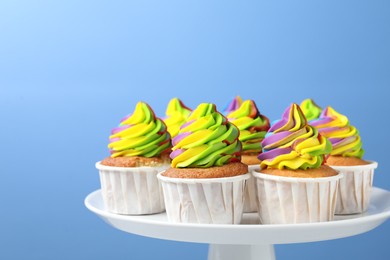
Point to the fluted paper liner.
(288, 200)
(131, 190)
(250, 202)
(205, 201)
(355, 188)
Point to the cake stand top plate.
(248, 232)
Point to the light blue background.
(70, 70)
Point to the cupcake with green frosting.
(294, 184)
(253, 127)
(347, 157)
(139, 149)
(206, 180)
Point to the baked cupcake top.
(345, 138)
(252, 125)
(205, 140)
(310, 109)
(140, 134)
(176, 114)
(293, 144)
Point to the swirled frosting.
(252, 125)
(233, 105)
(176, 114)
(310, 109)
(206, 139)
(345, 138)
(293, 144)
(140, 134)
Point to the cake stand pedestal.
(249, 240)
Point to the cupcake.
(294, 185)
(253, 126)
(346, 157)
(206, 180)
(139, 149)
(310, 109)
(176, 114)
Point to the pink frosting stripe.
(274, 153)
(176, 153)
(180, 137)
(275, 138)
(125, 118)
(327, 130)
(186, 124)
(335, 141)
(119, 129)
(233, 106)
(321, 121)
(114, 139)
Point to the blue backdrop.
(70, 70)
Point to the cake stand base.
(242, 252)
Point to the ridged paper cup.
(205, 201)
(250, 202)
(131, 190)
(355, 188)
(289, 200)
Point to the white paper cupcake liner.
(131, 190)
(355, 188)
(288, 200)
(250, 202)
(206, 201)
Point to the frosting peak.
(140, 134)
(345, 138)
(206, 139)
(293, 144)
(233, 105)
(176, 115)
(310, 109)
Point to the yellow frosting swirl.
(176, 115)
(293, 144)
(345, 138)
(140, 134)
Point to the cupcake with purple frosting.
(346, 157)
(294, 185)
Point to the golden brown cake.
(228, 170)
(136, 161)
(322, 171)
(345, 161)
(250, 159)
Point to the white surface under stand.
(248, 241)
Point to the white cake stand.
(248, 241)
